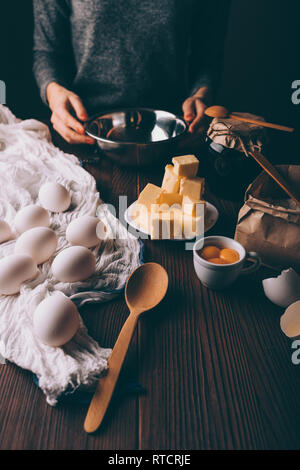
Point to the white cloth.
(27, 160)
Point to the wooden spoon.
(221, 112)
(145, 288)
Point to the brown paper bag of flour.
(269, 222)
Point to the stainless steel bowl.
(137, 137)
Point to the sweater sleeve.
(52, 49)
(208, 31)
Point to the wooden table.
(215, 369)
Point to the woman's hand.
(62, 102)
(193, 109)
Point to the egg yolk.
(216, 255)
(210, 251)
(229, 255)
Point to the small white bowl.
(220, 276)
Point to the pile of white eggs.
(56, 318)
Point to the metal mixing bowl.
(137, 137)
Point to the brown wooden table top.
(215, 368)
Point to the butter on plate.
(171, 180)
(151, 194)
(192, 187)
(171, 198)
(191, 206)
(174, 224)
(176, 210)
(186, 165)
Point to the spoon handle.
(261, 123)
(106, 384)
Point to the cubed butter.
(186, 165)
(141, 216)
(171, 198)
(174, 223)
(192, 226)
(160, 208)
(165, 225)
(192, 207)
(192, 187)
(151, 194)
(171, 181)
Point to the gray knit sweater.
(116, 53)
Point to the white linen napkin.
(27, 160)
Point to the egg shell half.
(85, 231)
(56, 320)
(54, 197)
(40, 243)
(284, 289)
(5, 232)
(14, 270)
(290, 320)
(73, 264)
(31, 216)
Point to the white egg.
(5, 232)
(290, 320)
(14, 270)
(40, 243)
(73, 264)
(56, 320)
(54, 197)
(85, 231)
(284, 289)
(30, 217)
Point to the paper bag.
(269, 222)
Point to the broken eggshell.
(290, 320)
(284, 289)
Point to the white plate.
(210, 219)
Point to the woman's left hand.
(193, 109)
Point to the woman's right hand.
(62, 102)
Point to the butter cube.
(174, 224)
(155, 208)
(151, 194)
(140, 214)
(186, 165)
(171, 181)
(165, 225)
(192, 187)
(171, 198)
(192, 206)
(192, 226)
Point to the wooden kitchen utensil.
(272, 171)
(221, 112)
(145, 289)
